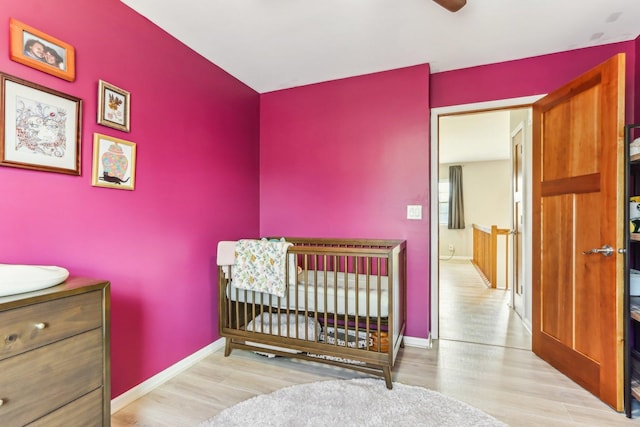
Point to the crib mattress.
(348, 295)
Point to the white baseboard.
(145, 387)
(418, 342)
(446, 258)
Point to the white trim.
(435, 233)
(157, 380)
(149, 385)
(418, 342)
(524, 203)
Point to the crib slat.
(379, 329)
(346, 300)
(357, 306)
(326, 299)
(335, 297)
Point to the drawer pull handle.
(10, 339)
(40, 325)
(1, 402)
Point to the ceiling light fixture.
(451, 5)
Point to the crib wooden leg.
(387, 377)
(402, 343)
(227, 347)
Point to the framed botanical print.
(113, 106)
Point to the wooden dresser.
(54, 356)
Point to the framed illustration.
(113, 106)
(41, 51)
(40, 127)
(114, 162)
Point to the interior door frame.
(521, 102)
(518, 262)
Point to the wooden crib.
(345, 305)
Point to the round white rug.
(358, 402)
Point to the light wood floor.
(463, 296)
(508, 382)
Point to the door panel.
(578, 204)
(587, 278)
(557, 278)
(577, 138)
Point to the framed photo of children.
(40, 127)
(114, 162)
(113, 106)
(41, 51)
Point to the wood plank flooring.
(500, 376)
(463, 296)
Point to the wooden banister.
(485, 252)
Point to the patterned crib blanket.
(260, 265)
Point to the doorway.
(522, 300)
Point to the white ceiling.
(474, 137)
(277, 44)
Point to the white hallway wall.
(487, 201)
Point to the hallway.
(472, 312)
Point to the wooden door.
(578, 190)
(517, 151)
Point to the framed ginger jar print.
(114, 162)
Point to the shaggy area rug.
(358, 402)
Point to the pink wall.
(196, 130)
(530, 76)
(344, 159)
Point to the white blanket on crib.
(286, 325)
(260, 265)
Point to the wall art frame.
(41, 127)
(114, 162)
(41, 51)
(114, 106)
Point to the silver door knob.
(606, 250)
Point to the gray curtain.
(456, 205)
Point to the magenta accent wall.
(344, 159)
(197, 136)
(529, 76)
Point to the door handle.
(606, 250)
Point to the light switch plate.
(414, 211)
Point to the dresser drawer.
(83, 412)
(29, 327)
(38, 382)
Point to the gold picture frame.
(41, 51)
(113, 106)
(41, 127)
(114, 162)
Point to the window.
(443, 202)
